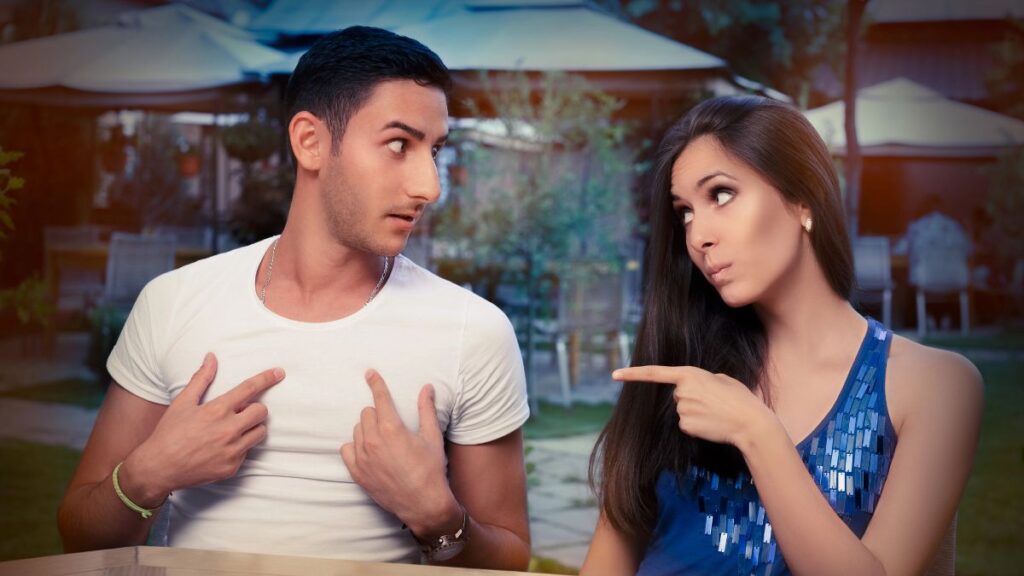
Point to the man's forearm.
(92, 516)
(493, 548)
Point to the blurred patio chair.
(132, 262)
(589, 312)
(940, 270)
(78, 285)
(197, 237)
(872, 263)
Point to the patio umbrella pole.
(215, 224)
(531, 386)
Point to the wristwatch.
(445, 546)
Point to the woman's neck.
(804, 317)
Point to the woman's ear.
(806, 218)
(309, 139)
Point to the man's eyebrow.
(417, 134)
(704, 180)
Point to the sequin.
(847, 456)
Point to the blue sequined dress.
(717, 525)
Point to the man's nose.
(423, 182)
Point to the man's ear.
(310, 140)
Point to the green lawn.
(32, 482)
(554, 421)
(1007, 339)
(992, 511)
(77, 391)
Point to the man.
(253, 464)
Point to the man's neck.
(315, 278)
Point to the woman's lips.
(718, 273)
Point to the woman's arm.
(942, 395)
(930, 467)
(610, 553)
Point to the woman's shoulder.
(929, 381)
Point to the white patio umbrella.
(173, 51)
(903, 118)
(558, 37)
(509, 35)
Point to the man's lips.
(407, 216)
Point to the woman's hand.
(714, 407)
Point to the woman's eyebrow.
(705, 179)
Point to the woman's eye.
(397, 146)
(723, 197)
(687, 216)
(434, 151)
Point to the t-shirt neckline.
(253, 266)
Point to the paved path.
(45, 423)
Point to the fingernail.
(430, 393)
(206, 359)
(616, 374)
(369, 374)
(278, 373)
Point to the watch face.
(447, 551)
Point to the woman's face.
(740, 232)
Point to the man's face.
(381, 177)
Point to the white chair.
(200, 237)
(77, 285)
(589, 306)
(872, 263)
(940, 270)
(132, 262)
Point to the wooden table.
(159, 561)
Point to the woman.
(765, 426)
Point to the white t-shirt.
(294, 494)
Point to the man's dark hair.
(337, 75)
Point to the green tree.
(8, 183)
(1006, 178)
(153, 193)
(778, 43)
(1006, 80)
(547, 187)
(262, 209)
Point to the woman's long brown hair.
(684, 320)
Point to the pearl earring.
(807, 224)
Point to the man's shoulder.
(440, 292)
(202, 275)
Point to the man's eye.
(724, 196)
(397, 146)
(434, 151)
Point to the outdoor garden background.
(159, 124)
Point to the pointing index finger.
(253, 387)
(381, 395)
(657, 374)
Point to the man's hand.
(403, 471)
(195, 444)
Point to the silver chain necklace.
(270, 273)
